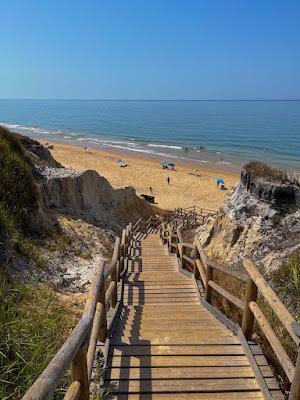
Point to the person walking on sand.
(150, 190)
(168, 180)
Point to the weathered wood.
(189, 260)
(114, 279)
(256, 370)
(79, 371)
(103, 320)
(272, 299)
(228, 296)
(277, 347)
(248, 318)
(295, 387)
(112, 265)
(201, 271)
(90, 304)
(110, 291)
(209, 277)
(73, 391)
(94, 338)
(179, 235)
(236, 275)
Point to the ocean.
(231, 132)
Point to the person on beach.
(168, 180)
(150, 190)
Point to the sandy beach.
(187, 187)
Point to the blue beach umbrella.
(171, 165)
(163, 163)
(220, 180)
(120, 161)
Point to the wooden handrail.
(78, 351)
(272, 299)
(277, 347)
(204, 270)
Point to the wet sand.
(187, 187)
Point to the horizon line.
(122, 99)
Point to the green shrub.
(286, 280)
(34, 324)
(18, 194)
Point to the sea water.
(231, 132)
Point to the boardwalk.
(167, 345)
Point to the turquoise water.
(232, 132)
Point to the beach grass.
(34, 323)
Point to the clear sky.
(150, 49)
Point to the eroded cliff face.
(72, 219)
(260, 220)
(89, 196)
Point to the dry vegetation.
(260, 170)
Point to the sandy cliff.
(260, 219)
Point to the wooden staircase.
(166, 345)
(151, 312)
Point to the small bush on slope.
(34, 323)
(18, 195)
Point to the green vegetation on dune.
(286, 280)
(18, 195)
(34, 323)
(18, 198)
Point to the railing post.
(295, 386)
(79, 371)
(196, 270)
(103, 323)
(209, 277)
(114, 296)
(248, 317)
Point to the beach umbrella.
(220, 181)
(163, 163)
(120, 161)
(171, 165)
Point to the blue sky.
(158, 49)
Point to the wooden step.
(166, 345)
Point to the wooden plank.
(184, 385)
(272, 299)
(177, 350)
(227, 271)
(228, 296)
(180, 373)
(178, 361)
(226, 321)
(246, 395)
(257, 373)
(277, 347)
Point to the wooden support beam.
(79, 372)
(209, 277)
(277, 347)
(272, 299)
(228, 296)
(248, 318)
(295, 387)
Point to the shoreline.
(187, 187)
(179, 161)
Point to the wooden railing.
(193, 215)
(192, 258)
(78, 351)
